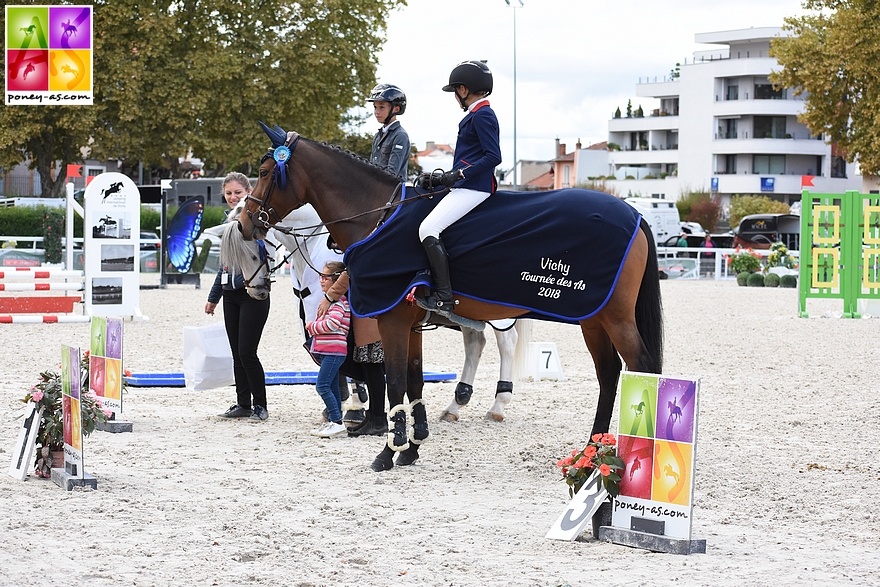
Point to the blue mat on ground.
(272, 378)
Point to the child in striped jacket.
(329, 347)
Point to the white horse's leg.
(474, 342)
(504, 391)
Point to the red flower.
(127, 373)
(584, 463)
(605, 470)
(596, 437)
(590, 451)
(609, 439)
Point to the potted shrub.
(50, 436)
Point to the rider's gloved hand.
(450, 178)
(428, 181)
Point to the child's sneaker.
(331, 429)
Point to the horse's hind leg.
(474, 342)
(608, 366)
(504, 390)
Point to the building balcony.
(660, 87)
(752, 107)
(645, 157)
(750, 183)
(643, 124)
(739, 143)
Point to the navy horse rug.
(556, 254)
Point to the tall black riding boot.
(440, 299)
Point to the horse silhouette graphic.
(114, 188)
(30, 67)
(674, 410)
(639, 408)
(69, 29)
(669, 472)
(29, 30)
(67, 69)
(636, 465)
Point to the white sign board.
(23, 451)
(580, 510)
(112, 246)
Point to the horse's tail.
(521, 354)
(649, 309)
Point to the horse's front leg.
(504, 390)
(415, 381)
(395, 328)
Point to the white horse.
(251, 258)
(308, 244)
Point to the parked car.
(150, 241)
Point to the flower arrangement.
(744, 261)
(600, 454)
(779, 257)
(47, 395)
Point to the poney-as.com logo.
(49, 55)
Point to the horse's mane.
(374, 168)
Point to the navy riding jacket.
(477, 152)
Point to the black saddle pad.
(556, 254)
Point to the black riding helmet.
(389, 93)
(474, 75)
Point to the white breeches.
(453, 206)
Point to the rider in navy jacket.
(477, 152)
(472, 177)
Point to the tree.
(831, 59)
(178, 76)
(629, 108)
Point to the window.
(566, 175)
(766, 92)
(732, 93)
(768, 165)
(731, 128)
(838, 167)
(769, 127)
(730, 163)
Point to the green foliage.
(629, 108)
(29, 220)
(744, 261)
(788, 281)
(198, 264)
(755, 280)
(779, 257)
(212, 216)
(614, 146)
(742, 278)
(741, 206)
(830, 57)
(600, 186)
(771, 280)
(52, 230)
(150, 219)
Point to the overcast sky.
(576, 60)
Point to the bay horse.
(355, 199)
(303, 234)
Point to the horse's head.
(250, 258)
(275, 194)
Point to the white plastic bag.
(207, 358)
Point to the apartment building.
(722, 127)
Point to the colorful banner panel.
(49, 55)
(105, 362)
(657, 440)
(71, 376)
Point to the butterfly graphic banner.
(49, 55)
(183, 228)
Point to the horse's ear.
(276, 135)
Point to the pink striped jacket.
(331, 329)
